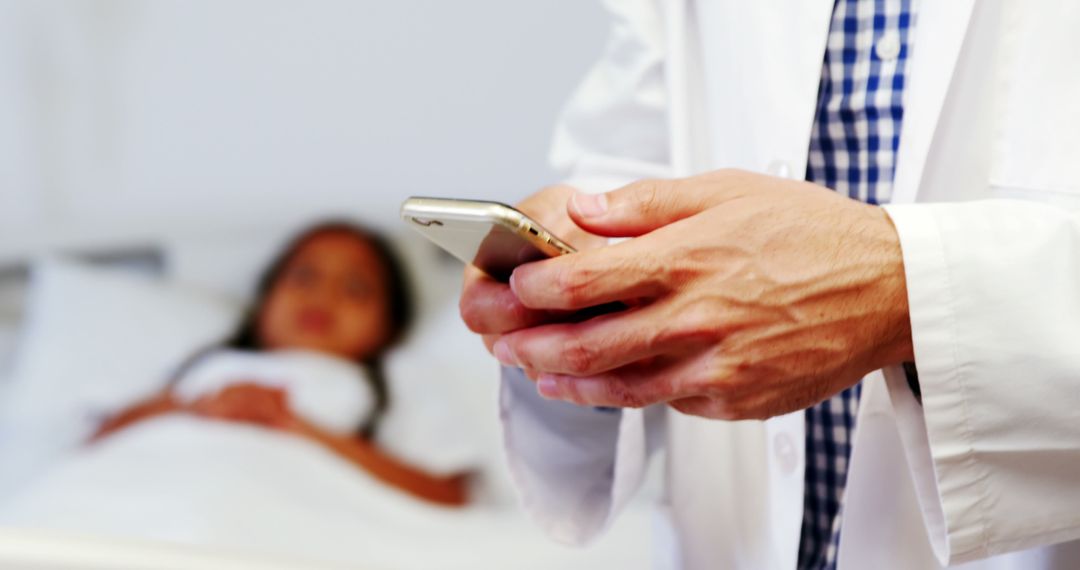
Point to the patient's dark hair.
(401, 306)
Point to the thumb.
(640, 207)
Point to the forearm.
(449, 491)
(163, 403)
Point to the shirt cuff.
(935, 437)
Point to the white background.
(125, 121)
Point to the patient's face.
(331, 297)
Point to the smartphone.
(492, 236)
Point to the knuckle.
(571, 283)
(651, 195)
(669, 271)
(617, 392)
(657, 390)
(626, 397)
(578, 357)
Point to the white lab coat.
(988, 468)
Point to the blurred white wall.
(128, 120)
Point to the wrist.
(894, 343)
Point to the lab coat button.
(887, 47)
(784, 449)
(779, 168)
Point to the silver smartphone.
(492, 236)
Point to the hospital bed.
(183, 293)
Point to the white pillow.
(93, 342)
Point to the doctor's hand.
(752, 296)
(487, 306)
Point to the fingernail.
(513, 287)
(589, 205)
(547, 386)
(504, 354)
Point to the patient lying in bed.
(307, 359)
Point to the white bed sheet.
(245, 489)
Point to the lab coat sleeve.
(994, 296)
(574, 467)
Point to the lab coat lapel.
(689, 140)
(758, 78)
(940, 29)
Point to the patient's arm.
(245, 402)
(252, 403)
(163, 403)
(450, 491)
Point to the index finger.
(489, 307)
(620, 272)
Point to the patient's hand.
(249, 403)
(158, 405)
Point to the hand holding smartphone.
(493, 237)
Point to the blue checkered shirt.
(852, 150)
